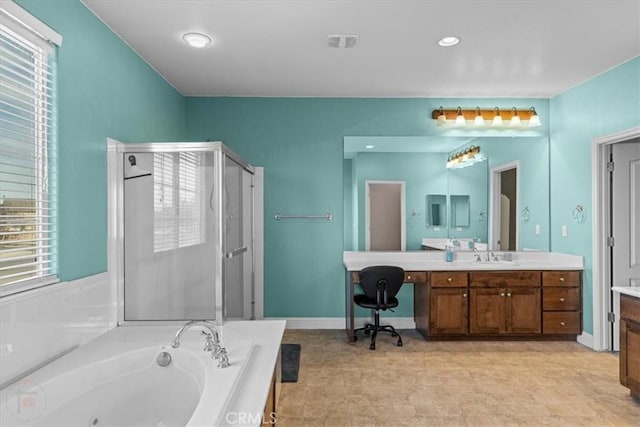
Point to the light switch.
(537, 228)
(436, 228)
(565, 231)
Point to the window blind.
(28, 232)
(178, 201)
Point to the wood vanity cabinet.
(504, 303)
(449, 308)
(561, 302)
(630, 344)
(499, 304)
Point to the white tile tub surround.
(38, 325)
(434, 261)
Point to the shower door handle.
(236, 252)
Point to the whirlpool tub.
(117, 381)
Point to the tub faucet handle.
(223, 358)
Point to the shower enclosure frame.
(116, 262)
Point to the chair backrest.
(381, 282)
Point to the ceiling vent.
(342, 40)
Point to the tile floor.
(452, 384)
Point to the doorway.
(616, 228)
(504, 207)
(384, 215)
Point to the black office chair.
(381, 284)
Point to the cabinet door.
(487, 308)
(630, 354)
(523, 311)
(449, 312)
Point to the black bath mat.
(290, 354)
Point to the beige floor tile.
(452, 384)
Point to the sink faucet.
(212, 343)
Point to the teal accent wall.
(299, 142)
(604, 105)
(104, 90)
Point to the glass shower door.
(238, 274)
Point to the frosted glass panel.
(169, 237)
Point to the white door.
(385, 216)
(625, 225)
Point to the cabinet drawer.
(560, 299)
(415, 276)
(630, 308)
(449, 279)
(561, 322)
(504, 279)
(561, 278)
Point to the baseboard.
(339, 322)
(586, 339)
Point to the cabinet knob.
(501, 294)
(562, 279)
(449, 279)
(409, 277)
(464, 295)
(562, 323)
(509, 294)
(561, 299)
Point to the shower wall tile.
(38, 325)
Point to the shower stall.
(182, 232)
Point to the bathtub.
(115, 381)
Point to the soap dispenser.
(448, 254)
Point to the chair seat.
(366, 302)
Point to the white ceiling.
(509, 48)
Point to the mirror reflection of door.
(504, 206)
(384, 216)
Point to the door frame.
(495, 186)
(600, 213)
(403, 226)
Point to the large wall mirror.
(501, 202)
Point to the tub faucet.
(212, 341)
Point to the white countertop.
(465, 261)
(634, 292)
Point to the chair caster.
(372, 346)
(399, 344)
(367, 332)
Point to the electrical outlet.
(565, 231)
(436, 228)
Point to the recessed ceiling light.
(369, 147)
(197, 39)
(448, 41)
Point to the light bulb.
(197, 39)
(515, 119)
(534, 120)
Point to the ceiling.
(508, 48)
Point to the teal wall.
(604, 105)
(299, 141)
(104, 90)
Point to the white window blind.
(178, 200)
(28, 249)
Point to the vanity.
(535, 296)
(629, 338)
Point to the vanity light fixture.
(460, 121)
(515, 119)
(534, 120)
(467, 157)
(478, 121)
(197, 39)
(497, 119)
(512, 118)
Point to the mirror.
(436, 210)
(465, 201)
(459, 211)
